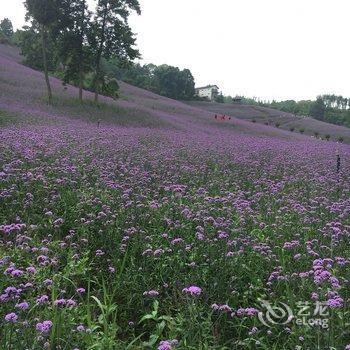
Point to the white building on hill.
(209, 92)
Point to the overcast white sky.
(281, 49)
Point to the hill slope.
(22, 93)
(271, 116)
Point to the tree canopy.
(111, 35)
(65, 37)
(164, 80)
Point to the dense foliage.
(164, 80)
(73, 46)
(111, 35)
(29, 41)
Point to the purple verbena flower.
(151, 293)
(44, 326)
(193, 290)
(42, 299)
(60, 302)
(23, 306)
(11, 317)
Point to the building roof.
(207, 87)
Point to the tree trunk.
(81, 78)
(97, 83)
(46, 71)
(81, 54)
(99, 54)
(98, 72)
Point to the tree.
(228, 99)
(112, 35)
(45, 13)
(137, 75)
(164, 80)
(30, 43)
(172, 82)
(75, 52)
(304, 107)
(220, 98)
(187, 85)
(318, 109)
(6, 28)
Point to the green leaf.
(147, 317)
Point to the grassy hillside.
(23, 93)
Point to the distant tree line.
(328, 108)
(164, 80)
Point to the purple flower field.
(162, 229)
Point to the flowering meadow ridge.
(145, 224)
